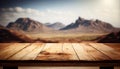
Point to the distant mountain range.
(28, 25)
(81, 25)
(56, 25)
(16, 31)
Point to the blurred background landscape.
(60, 21)
(27, 30)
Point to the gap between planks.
(33, 54)
(23, 52)
(11, 50)
(107, 50)
(86, 52)
(59, 51)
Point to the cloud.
(18, 9)
(11, 14)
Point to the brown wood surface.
(107, 50)
(11, 50)
(59, 51)
(33, 54)
(82, 54)
(59, 54)
(69, 51)
(51, 52)
(96, 54)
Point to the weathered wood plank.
(97, 55)
(51, 52)
(83, 55)
(68, 49)
(33, 54)
(53, 47)
(5, 45)
(115, 46)
(11, 50)
(59, 51)
(109, 51)
(23, 52)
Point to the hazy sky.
(65, 11)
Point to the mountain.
(81, 25)
(8, 35)
(113, 37)
(56, 26)
(28, 25)
(88, 26)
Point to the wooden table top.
(60, 52)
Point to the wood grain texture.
(115, 46)
(23, 52)
(60, 51)
(51, 52)
(97, 55)
(109, 51)
(33, 54)
(5, 45)
(68, 48)
(11, 50)
(83, 55)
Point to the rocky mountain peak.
(25, 20)
(27, 24)
(85, 25)
(21, 20)
(98, 21)
(80, 18)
